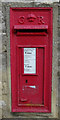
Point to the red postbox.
(31, 59)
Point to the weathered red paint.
(31, 28)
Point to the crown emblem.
(31, 17)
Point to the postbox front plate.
(31, 59)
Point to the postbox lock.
(26, 81)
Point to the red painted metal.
(38, 27)
(31, 28)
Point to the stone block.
(59, 62)
(0, 90)
(59, 10)
(59, 71)
(4, 59)
(0, 97)
(3, 27)
(0, 28)
(0, 61)
(0, 16)
(59, 47)
(4, 88)
(0, 5)
(0, 46)
(0, 113)
(0, 75)
(4, 48)
(58, 39)
(59, 32)
(46, 1)
(4, 39)
(17, 0)
(4, 75)
(58, 20)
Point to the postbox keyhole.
(26, 81)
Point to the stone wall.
(59, 56)
(5, 89)
(4, 63)
(0, 60)
(40, 1)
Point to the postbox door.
(31, 70)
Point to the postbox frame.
(42, 108)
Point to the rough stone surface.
(0, 60)
(5, 100)
(42, 1)
(59, 59)
(30, 119)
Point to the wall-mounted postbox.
(31, 59)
